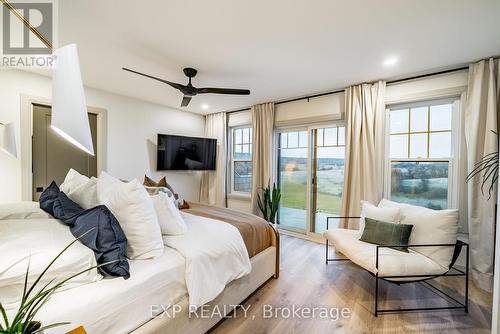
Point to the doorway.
(53, 156)
(310, 174)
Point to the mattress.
(115, 305)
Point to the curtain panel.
(213, 183)
(481, 121)
(365, 142)
(262, 152)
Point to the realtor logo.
(21, 47)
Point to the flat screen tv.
(186, 153)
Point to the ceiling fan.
(189, 90)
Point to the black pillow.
(381, 233)
(106, 239)
(48, 197)
(65, 209)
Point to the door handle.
(39, 189)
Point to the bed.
(262, 242)
(256, 232)
(136, 305)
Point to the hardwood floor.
(306, 282)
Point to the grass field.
(294, 190)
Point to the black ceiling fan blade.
(223, 91)
(185, 101)
(173, 84)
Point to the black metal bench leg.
(326, 252)
(466, 279)
(376, 296)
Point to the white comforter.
(215, 255)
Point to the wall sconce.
(9, 139)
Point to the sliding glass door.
(310, 174)
(292, 179)
(328, 175)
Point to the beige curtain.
(365, 141)
(213, 183)
(481, 118)
(262, 124)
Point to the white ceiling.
(277, 49)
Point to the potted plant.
(268, 200)
(488, 167)
(23, 321)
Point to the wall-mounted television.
(185, 153)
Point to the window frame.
(232, 160)
(454, 173)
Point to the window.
(421, 154)
(241, 161)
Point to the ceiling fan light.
(69, 109)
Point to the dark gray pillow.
(381, 233)
(106, 239)
(65, 209)
(48, 197)
(105, 236)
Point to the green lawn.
(294, 194)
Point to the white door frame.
(26, 134)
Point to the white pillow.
(169, 217)
(387, 215)
(429, 227)
(40, 240)
(22, 210)
(133, 208)
(80, 189)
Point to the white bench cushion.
(391, 262)
(429, 227)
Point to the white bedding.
(215, 255)
(115, 305)
(38, 241)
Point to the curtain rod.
(341, 90)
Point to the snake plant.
(268, 200)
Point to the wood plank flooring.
(306, 281)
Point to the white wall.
(132, 126)
(331, 107)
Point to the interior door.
(53, 156)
